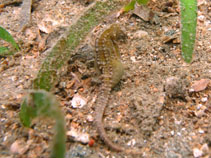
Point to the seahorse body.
(109, 63)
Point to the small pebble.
(175, 87)
(199, 113)
(200, 110)
(199, 106)
(178, 133)
(90, 118)
(62, 84)
(133, 58)
(201, 17)
(14, 78)
(140, 34)
(197, 152)
(204, 99)
(201, 131)
(172, 133)
(78, 101)
(19, 146)
(78, 136)
(205, 148)
(91, 142)
(131, 142)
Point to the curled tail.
(102, 102)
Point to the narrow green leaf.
(27, 112)
(43, 104)
(59, 140)
(3, 50)
(142, 2)
(189, 22)
(130, 6)
(7, 37)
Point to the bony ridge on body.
(108, 62)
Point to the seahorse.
(108, 62)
